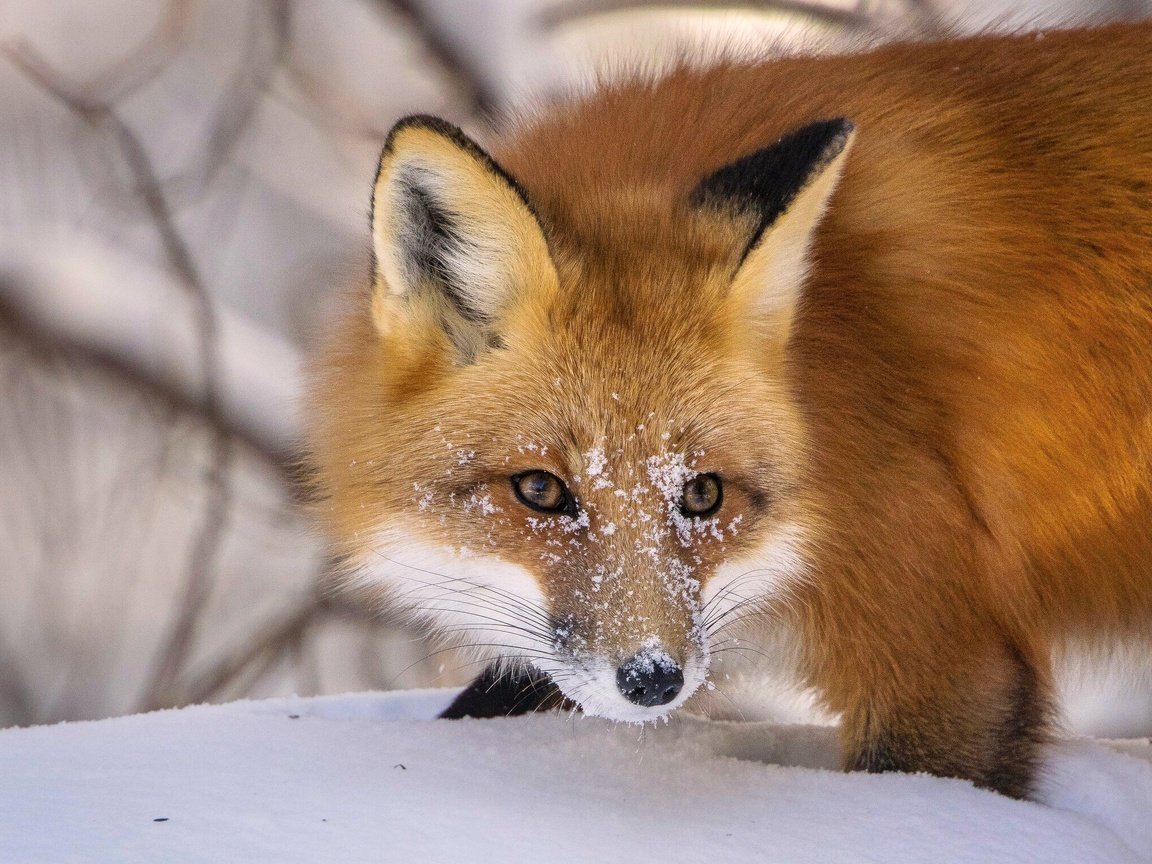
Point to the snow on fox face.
(607, 552)
(578, 451)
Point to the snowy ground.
(368, 778)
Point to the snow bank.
(369, 778)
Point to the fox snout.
(641, 682)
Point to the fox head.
(561, 429)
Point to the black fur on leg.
(995, 744)
(1021, 734)
(505, 694)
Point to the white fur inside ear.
(773, 273)
(436, 227)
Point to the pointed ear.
(780, 194)
(454, 238)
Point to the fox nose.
(650, 681)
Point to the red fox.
(852, 348)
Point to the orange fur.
(960, 415)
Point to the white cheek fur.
(475, 600)
(765, 577)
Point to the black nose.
(650, 681)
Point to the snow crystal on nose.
(652, 657)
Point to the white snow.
(370, 778)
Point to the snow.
(370, 777)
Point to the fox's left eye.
(542, 491)
(702, 495)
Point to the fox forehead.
(606, 383)
(643, 260)
(609, 399)
(624, 458)
(638, 354)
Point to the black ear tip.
(832, 125)
(423, 121)
(766, 182)
(451, 132)
(834, 133)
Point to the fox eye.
(542, 491)
(702, 495)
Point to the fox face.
(562, 430)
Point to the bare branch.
(248, 86)
(482, 93)
(98, 113)
(17, 693)
(857, 16)
(155, 52)
(259, 652)
(161, 388)
(218, 494)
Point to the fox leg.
(505, 693)
(985, 723)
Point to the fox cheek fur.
(912, 347)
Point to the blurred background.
(183, 199)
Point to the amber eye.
(702, 495)
(542, 491)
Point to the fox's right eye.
(542, 491)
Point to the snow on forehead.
(594, 462)
(666, 474)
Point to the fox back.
(856, 349)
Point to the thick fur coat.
(899, 303)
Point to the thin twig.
(17, 694)
(243, 95)
(162, 392)
(483, 94)
(269, 644)
(141, 66)
(857, 16)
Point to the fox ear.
(781, 193)
(454, 238)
